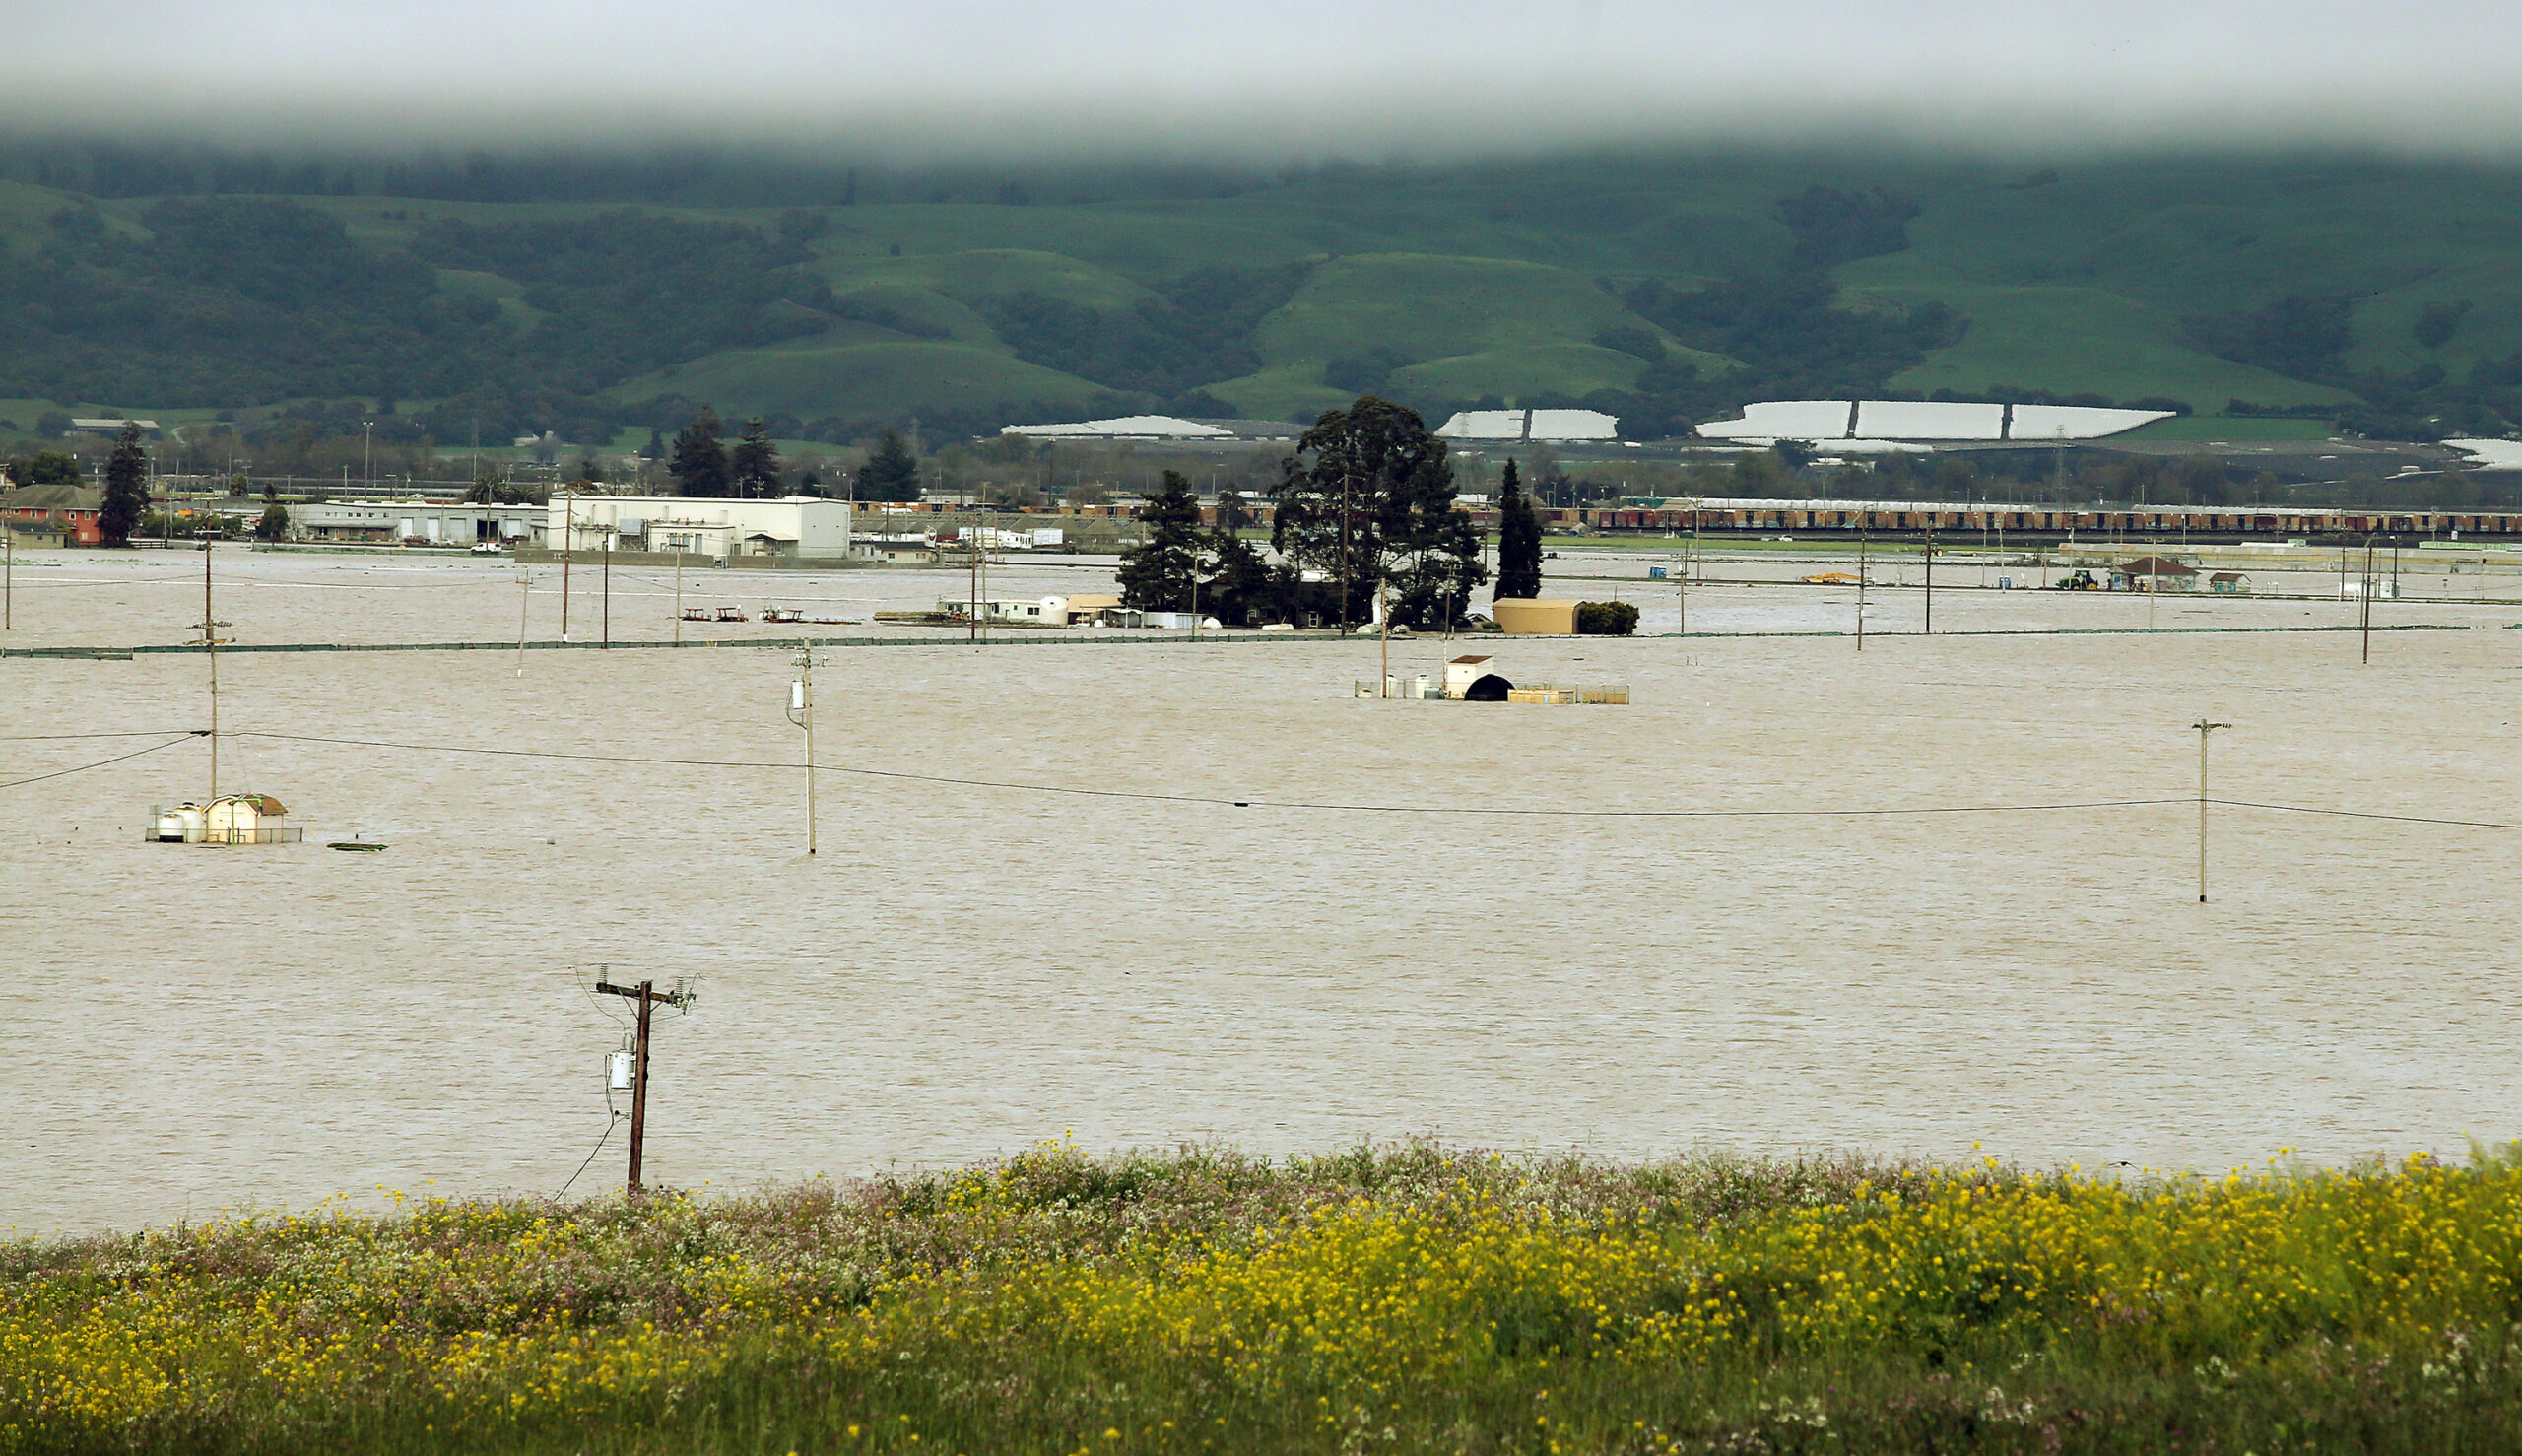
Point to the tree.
(126, 489)
(48, 468)
(1518, 539)
(890, 474)
(700, 464)
(1241, 581)
(274, 526)
(1156, 575)
(755, 462)
(1374, 504)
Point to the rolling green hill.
(1664, 288)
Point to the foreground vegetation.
(1410, 1298)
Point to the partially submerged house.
(1468, 679)
(229, 819)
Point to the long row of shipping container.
(1897, 517)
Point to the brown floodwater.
(966, 969)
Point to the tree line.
(1366, 518)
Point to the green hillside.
(1667, 289)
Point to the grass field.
(1405, 1298)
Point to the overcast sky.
(926, 77)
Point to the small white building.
(799, 527)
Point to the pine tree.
(1156, 575)
(126, 489)
(755, 462)
(700, 464)
(890, 474)
(1518, 539)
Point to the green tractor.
(2081, 580)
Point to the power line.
(101, 763)
(123, 733)
(2408, 818)
(1219, 800)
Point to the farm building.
(229, 819)
(1870, 420)
(64, 509)
(420, 522)
(1512, 426)
(796, 527)
(2154, 574)
(1534, 617)
(1128, 426)
(1470, 679)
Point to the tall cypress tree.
(1156, 575)
(1518, 539)
(700, 462)
(755, 462)
(126, 489)
(891, 472)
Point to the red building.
(68, 509)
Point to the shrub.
(1605, 618)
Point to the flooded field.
(968, 967)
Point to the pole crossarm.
(674, 999)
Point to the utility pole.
(1930, 574)
(524, 600)
(678, 594)
(8, 577)
(210, 626)
(2369, 584)
(1383, 629)
(801, 712)
(2203, 728)
(1860, 588)
(607, 639)
(366, 455)
(568, 537)
(647, 998)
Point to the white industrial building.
(1859, 422)
(414, 521)
(801, 527)
(1553, 426)
(1128, 426)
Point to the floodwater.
(966, 969)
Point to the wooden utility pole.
(1860, 588)
(9, 578)
(608, 589)
(646, 998)
(801, 712)
(2369, 584)
(1383, 632)
(210, 626)
(568, 540)
(524, 604)
(2203, 728)
(1930, 574)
